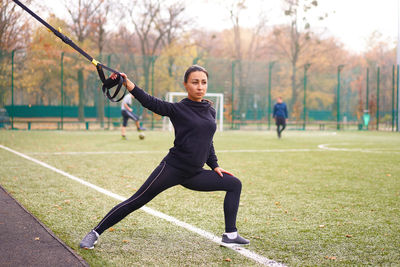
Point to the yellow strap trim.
(94, 62)
(59, 29)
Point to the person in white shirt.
(126, 112)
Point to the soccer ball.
(141, 136)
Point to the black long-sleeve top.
(194, 124)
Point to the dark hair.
(191, 69)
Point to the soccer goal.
(218, 105)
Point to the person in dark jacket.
(280, 115)
(193, 119)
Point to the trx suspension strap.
(107, 83)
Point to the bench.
(55, 124)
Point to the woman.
(194, 122)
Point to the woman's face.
(196, 85)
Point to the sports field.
(309, 199)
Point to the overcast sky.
(351, 21)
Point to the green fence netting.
(62, 87)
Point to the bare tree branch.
(14, 29)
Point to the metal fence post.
(153, 61)
(339, 68)
(271, 64)
(12, 89)
(306, 66)
(397, 105)
(233, 92)
(393, 88)
(62, 90)
(108, 101)
(367, 94)
(377, 98)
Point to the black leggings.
(279, 129)
(166, 176)
(280, 121)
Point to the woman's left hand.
(220, 171)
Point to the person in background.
(127, 113)
(280, 115)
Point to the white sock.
(232, 235)
(96, 233)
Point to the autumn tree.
(14, 34)
(41, 72)
(174, 24)
(246, 44)
(14, 26)
(235, 11)
(291, 41)
(82, 14)
(380, 54)
(180, 55)
(156, 26)
(99, 37)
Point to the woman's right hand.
(127, 83)
(115, 75)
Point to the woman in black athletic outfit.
(194, 121)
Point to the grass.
(300, 204)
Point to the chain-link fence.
(53, 89)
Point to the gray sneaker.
(238, 240)
(89, 240)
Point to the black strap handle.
(107, 83)
(110, 83)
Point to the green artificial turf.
(302, 204)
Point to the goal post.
(218, 105)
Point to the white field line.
(322, 147)
(165, 151)
(245, 252)
(96, 152)
(327, 147)
(266, 150)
